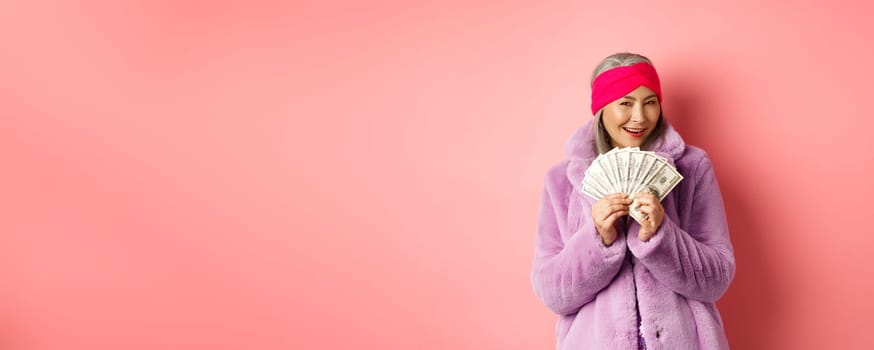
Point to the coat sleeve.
(697, 262)
(568, 273)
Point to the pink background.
(324, 175)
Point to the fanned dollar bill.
(630, 170)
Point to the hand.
(653, 215)
(606, 211)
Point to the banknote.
(630, 170)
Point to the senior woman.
(616, 283)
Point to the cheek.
(653, 113)
(613, 118)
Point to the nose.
(637, 113)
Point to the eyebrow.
(645, 98)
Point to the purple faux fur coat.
(675, 278)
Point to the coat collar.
(581, 151)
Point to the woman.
(614, 283)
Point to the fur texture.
(675, 278)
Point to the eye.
(651, 102)
(625, 103)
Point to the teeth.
(634, 130)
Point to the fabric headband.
(618, 82)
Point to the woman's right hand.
(606, 211)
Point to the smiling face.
(631, 119)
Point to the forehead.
(641, 92)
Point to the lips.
(635, 132)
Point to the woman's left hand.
(653, 212)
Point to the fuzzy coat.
(674, 279)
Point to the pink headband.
(617, 82)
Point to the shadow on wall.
(751, 305)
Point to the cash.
(629, 170)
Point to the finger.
(622, 200)
(650, 190)
(615, 216)
(646, 213)
(646, 198)
(618, 196)
(617, 207)
(645, 209)
(606, 201)
(655, 205)
(611, 205)
(647, 221)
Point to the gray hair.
(621, 59)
